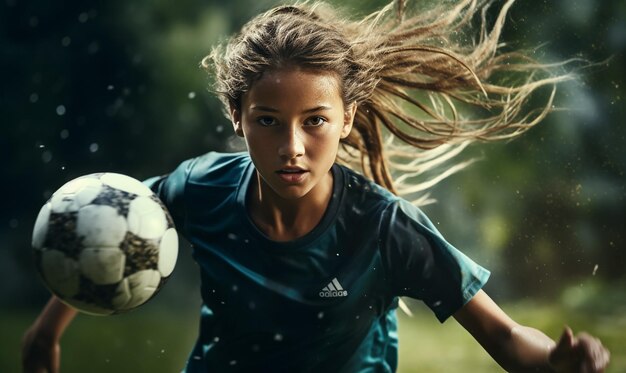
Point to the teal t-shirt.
(324, 302)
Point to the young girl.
(302, 258)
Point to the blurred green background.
(116, 86)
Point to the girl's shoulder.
(365, 187)
(363, 199)
(217, 169)
(392, 209)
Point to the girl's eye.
(266, 121)
(315, 121)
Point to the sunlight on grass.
(160, 341)
(427, 346)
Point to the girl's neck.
(283, 219)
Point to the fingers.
(595, 357)
(581, 353)
(567, 338)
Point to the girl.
(303, 258)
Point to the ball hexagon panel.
(60, 272)
(139, 287)
(100, 226)
(103, 266)
(146, 218)
(168, 252)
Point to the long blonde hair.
(409, 73)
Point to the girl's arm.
(518, 348)
(41, 351)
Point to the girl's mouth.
(291, 175)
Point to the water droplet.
(252, 305)
(110, 87)
(233, 362)
(33, 98)
(278, 337)
(64, 134)
(13, 223)
(219, 129)
(595, 269)
(196, 357)
(93, 147)
(320, 315)
(191, 95)
(216, 339)
(41, 146)
(232, 236)
(66, 41)
(83, 17)
(357, 211)
(46, 157)
(256, 348)
(162, 351)
(60, 110)
(62, 168)
(93, 47)
(437, 303)
(235, 288)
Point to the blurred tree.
(116, 86)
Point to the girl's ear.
(348, 119)
(235, 117)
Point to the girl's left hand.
(582, 353)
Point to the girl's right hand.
(579, 353)
(40, 353)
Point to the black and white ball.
(104, 243)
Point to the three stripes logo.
(333, 290)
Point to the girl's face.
(292, 121)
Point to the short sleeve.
(421, 264)
(170, 188)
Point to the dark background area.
(116, 86)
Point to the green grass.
(141, 341)
(147, 340)
(427, 346)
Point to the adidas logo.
(333, 290)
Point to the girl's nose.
(292, 144)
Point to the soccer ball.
(104, 243)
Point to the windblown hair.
(412, 77)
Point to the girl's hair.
(410, 76)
